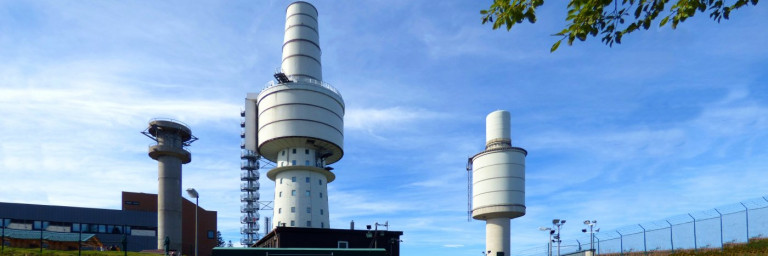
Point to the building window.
(306, 162)
(283, 152)
(293, 209)
(306, 151)
(319, 182)
(293, 192)
(322, 225)
(309, 210)
(281, 180)
(281, 194)
(321, 194)
(293, 223)
(309, 224)
(131, 203)
(306, 179)
(211, 235)
(293, 179)
(293, 162)
(321, 211)
(343, 244)
(75, 227)
(307, 193)
(294, 151)
(279, 210)
(279, 223)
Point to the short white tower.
(498, 183)
(298, 123)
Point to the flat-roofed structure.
(293, 237)
(60, 227)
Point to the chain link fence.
(711, 229)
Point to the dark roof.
(77, 214)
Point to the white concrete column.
(497, 236)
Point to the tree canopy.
(610, 19)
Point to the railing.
(166, 146)
(249, 208)
(250, 186)
(248, 176)
(245, 153)
(249, 165)
(302, 79)
(250, 197)
(245, 230)
(245, 218)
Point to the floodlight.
(192, 193)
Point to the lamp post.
(591, 225)
(549, 242)
(558, 223)
(193, 193)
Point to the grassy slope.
(755, 247)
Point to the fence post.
(671, 241)
(746, 209)
(645, 245)
(695, 246)
(722, 246)
(598, 246)
(577, 241)
(621, 242)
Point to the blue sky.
(668, 122)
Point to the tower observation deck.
(297, 123)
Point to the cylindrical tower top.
(172, 137)
(301, 45)
(497, 127)
(498, 173)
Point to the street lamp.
(193, 194)
(549, 242)
(591, 224)
(558, 223)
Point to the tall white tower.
(298, 123)
(498, 183)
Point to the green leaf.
(664, 21)
(554, 46)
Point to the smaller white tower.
(498, 183)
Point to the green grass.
(10, 251)
(755, 247)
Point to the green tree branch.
(609, 19)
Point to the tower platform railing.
(294, 79)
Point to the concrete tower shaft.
(301, 44)
(498, 188)
(298, 123)
(171, 137)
